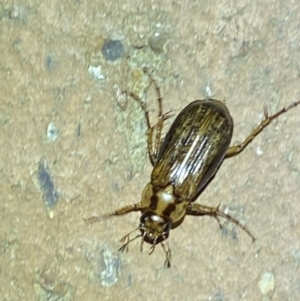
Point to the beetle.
(184, 163)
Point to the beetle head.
(154, 228)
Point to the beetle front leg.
(199, 210)
(121, 211)
(236, 149)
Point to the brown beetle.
(183, 164)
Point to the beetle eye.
(144, 217)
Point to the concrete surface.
(64, 121)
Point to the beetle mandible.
(184, 162)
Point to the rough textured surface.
(53, 71)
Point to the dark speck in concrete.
(49, 62)
(78, 130)
(47, 186)
(112, 50)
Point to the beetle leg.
(160, 121)
(236, 149)
(168, 253)
(121, 211)
(198, 210)
(159, 125)
(153, 148)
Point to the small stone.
(112, 50)
(157, 42)
(52, 131)
(266, 283)
(96, 72)
(295, 254)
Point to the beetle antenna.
(142, 242)
(128, 241)
(152, 248)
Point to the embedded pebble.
(295, 254)
(52, 131)
(112, 50)
(96, 72)
(157, 42)
(266, 283)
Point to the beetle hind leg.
(199, 210)
(237, 149)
